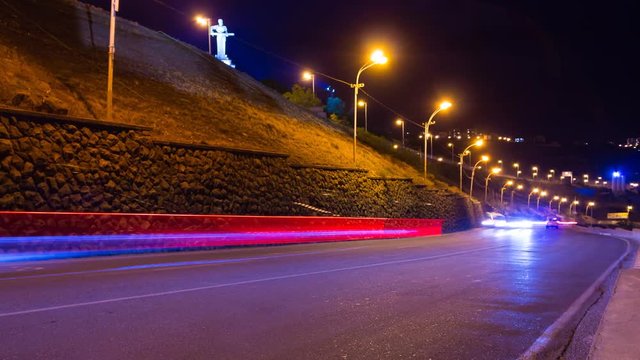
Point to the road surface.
(483, 294)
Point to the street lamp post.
(473, 173)
(518, 187)
(452, 146)
(573, 204)
(590, 204)
(365, 105)
(206, 22)
(461, 155)
(508, 183)
(495, 170)
(541, 195)
(443, 106)
(377, 58)
(115, 4)
(556, 197)
(400, 123)
(309, 76)
(533, 191)
(517, 167)
(562, 200)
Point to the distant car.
(552, 222)
(495, 220)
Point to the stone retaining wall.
(62, 164)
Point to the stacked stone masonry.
(52, 163)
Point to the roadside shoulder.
(619, 333)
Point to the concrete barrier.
(36, 235)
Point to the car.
(552, 222)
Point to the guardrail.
(41, 235)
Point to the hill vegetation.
(53, 56)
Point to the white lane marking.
(282, 277)
(176, 265)
(564, 319)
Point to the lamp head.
(496, 170)
(307, 75)
(378, 57)
(484, 158)
(400, 122)
(362, 103)
(201, 20)
(445, 105)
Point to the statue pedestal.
(225, 60)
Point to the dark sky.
(558, 68)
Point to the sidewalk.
(618, 337)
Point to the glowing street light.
(452, 146)
(205, 21)
(461, 155)
(507, 184)
(533, 191)
(517, 167)
(562, 200)
(629, 208)
(518, 187)
(365, 105)
(494, 171)
(484, 158)
(573, 204)
(556, 197)
(400, 123)
(443, 106)
(590, 204)
(377, 58)
(534, 172)
(541, 195)
(309, 76)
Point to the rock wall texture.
(55, 163)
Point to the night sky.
(567, 70)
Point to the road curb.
(542, 343)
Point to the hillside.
(53, 55)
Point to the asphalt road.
(485, 294)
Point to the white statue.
(220, 33)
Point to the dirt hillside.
(53, 56)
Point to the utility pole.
(115, 4)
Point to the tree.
(302, 96)
(335, 105)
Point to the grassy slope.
(59, 54)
